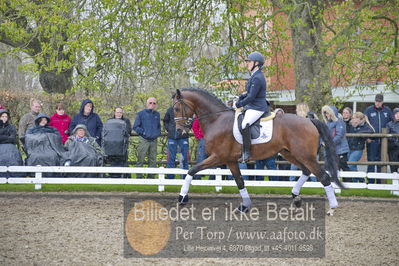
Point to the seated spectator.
(116, 132)
(9, 155)
(61, 121)
(83, 149)
(337, 130)
(359, 124)
(393, 142)
(43, 144)
(91, 120)
(176, 139)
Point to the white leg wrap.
(245, 197)
(186, 185)
(332, 200)
(297, 188)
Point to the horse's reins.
(191, 119)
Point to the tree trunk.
(53, 82)
(311, 67)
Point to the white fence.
(161, 181)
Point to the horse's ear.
(178, 94)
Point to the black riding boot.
(246, 144)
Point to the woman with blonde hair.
(302, 109)
(338, 132)
(359, 124)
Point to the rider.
(253, 101)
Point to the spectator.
(148, 126)
(115, 139)
(302, 109)
(91, 120)
(337, 129)
(379, 116)
(83, 148)
(61, 121)
(347, 116)
(43, 144)
(359, 124)
(270, 163)
(175, 139)
(28, 120)
(10, 155)
(393, 142)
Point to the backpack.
(115, 137)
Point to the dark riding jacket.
(358, 143)
(255, 98)
(378, 117)
(170, 126)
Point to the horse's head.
(183, 111)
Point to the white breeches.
(250, 117)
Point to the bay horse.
(294, 137)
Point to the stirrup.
(243, 158)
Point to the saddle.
(255, 128)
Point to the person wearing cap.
(253, 101)
(379, 116)
(393, 142)
(9, 155)
(83, 150)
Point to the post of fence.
(395, 181)
(384, 152)
(38, 180)
(218, 178)
(161, 178)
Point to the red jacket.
(197, 130)
(61, 123)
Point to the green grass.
(193, 189)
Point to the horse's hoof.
(242, 209)
(330, 212)
(297, 200)
(183, 199)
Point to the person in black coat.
(9, 155)
(91, 120)
(393, 142)
(175, 140)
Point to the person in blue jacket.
(148, 126)
(337, 128)
(91, 120)
(253, 101)
(379, 116)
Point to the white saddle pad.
(266, 131)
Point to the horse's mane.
(210, 97)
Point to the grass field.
(196, 189)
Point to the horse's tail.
(331, 160)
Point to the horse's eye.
(177, 109)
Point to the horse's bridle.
(190, 120)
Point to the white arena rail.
(161, 181)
